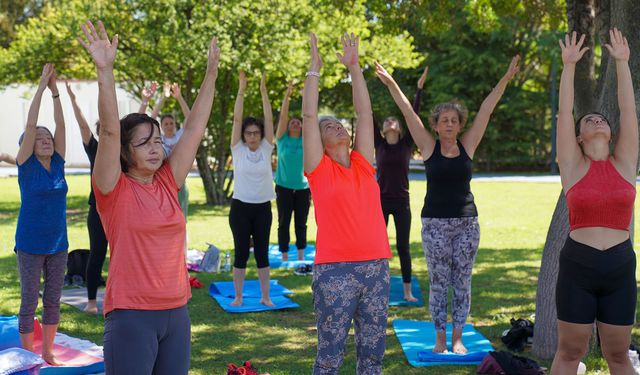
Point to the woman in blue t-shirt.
(41, 234)
(292, 190)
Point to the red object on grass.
(194, 282)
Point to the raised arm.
(183, 155)
(7, 158)
(166, 92)
(472, 137)
(569, 152)
(626, 150)
(60, 135)
(146, 95)
(175, 91)
(85, 131)
(311, 141)
(29, 138)
(364, 143)
(236, 135)
(283, 119)
(106, 170)
(266, 109)
(420, 86)
(423, 139)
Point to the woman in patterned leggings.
(351, 275)
(450, 230)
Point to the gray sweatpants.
(346, 291)
(30, 267)
(141, 342)
(450, 246)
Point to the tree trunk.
(624, 15)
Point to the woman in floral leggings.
(351, 275)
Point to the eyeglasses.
(256, 133)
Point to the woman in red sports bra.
(596, 278)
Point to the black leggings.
(249, 220)
(401, 212)
(97, 253)
(596, 284)
(290, 201)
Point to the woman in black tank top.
(450, 230)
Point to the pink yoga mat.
(65, 355)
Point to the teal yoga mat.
(222, 292)
(396, 292)
(418, 339)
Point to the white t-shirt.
(170, 143)
(252, 173)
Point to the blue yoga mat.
(418, 339)
(275, 256)
(396, 294)
(222, 292)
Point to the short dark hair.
(127, 125)
(167, 115)
(577, 125)
(251, 121)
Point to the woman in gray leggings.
(41, 233)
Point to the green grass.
(514, 218)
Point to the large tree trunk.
(624, 15)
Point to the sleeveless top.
(602, 198)
(448, 185)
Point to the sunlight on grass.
(514, 218)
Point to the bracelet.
(312, 73)
(55, 96)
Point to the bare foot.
(92, 307)
(50, 359)
(441, 343)
(300, 254)
(267, 302)
(458, 348)
(236, 302)
(285, 257)
(410, 298)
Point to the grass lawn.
(513, 216)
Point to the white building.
(14, 107)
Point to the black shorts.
(596, 284)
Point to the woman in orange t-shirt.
(351, 275)
(147, 326)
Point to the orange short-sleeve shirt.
(348, 212)
(146, 231)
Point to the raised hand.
(263, 84)
(99, 47)
(148, 92)
(383, 75)
(350, 44)
(214, 57)
(47, 72)
(242, 81)
(514, 68)
(289, 88)
(52, 84)
(619, 47)
(72, 95)
(166, 89)
(175, 90)
(316, 61)
(572, 51)
(423, 77)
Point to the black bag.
(520, 331)
(77, 267)
(505, 363)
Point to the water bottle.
(227, 262)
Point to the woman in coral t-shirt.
(147, 327)
(351, 275)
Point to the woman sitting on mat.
(351, 272)
(250, 213)
(147, 327)
(41, 234)
(450, 230)
(292, 189)
(596, 278)
(393, 154)
(97, 238)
